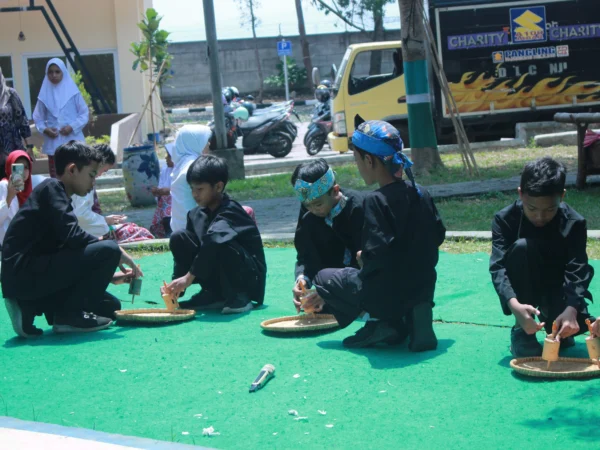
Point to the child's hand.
(66, 130)
(596, 328)
(298, 292)
(128, 261)
(313, 303)
(523, 314)
(177, 286)
(155, 191)
(51, 132)
(567, 323)
(115, 219)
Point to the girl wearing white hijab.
(61, 112)
(190, 143)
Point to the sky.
(185, 20)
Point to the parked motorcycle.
(266, 134)
(321, 124)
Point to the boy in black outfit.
(539, 264)
(401, 235)
(50, 265)
(329, 229)
(221, 248)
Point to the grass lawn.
(171, 382)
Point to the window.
(374, 68)
(6, 66)
(101, 66)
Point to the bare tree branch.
(339, 14)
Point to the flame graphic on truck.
(478, 93)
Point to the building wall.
(191, 74)
(94, 25)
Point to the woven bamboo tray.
(300, 324)
(155, 315)
(563, 368)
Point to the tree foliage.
(354, 12)
(296, 75)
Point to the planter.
(40, 166)
(141, 170)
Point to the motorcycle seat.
(257, 121)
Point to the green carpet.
(153, 381)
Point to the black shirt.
(321, 246)
(567, 232)
(43, 226)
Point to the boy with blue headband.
(402, 232)
(329, 228)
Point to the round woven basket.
(301, 323)
(154, 315)
(563, 368)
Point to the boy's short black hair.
(208, 169)
(108, 156)
(543, 178)
(75, 152)
(310, 171)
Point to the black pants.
(536, 273)
(74, 281)
(226, 270)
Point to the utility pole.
(304, 43)
(421, 130)
(215, 73)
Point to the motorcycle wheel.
(278, 144)
(315, 144)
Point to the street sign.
(284, 48)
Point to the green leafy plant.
(78, 78)
(296, 75)
(92, 140)
(153, 50)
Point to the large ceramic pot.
(141, 170)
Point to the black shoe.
(567, 342)
(202, 301)
(422, 336)
(523, 345)
(22, 319)
(374, 332)
(79, 323)
(239, 304)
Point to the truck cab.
(369, 82)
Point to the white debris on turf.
(293, 412)
(210, 431)
(321, 412)
(297, 375)
(329, 425)
(197, 416)
(301, 418)
(382, 392)
(185, 433)
(122, 370)
(275, 434)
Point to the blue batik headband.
(307, 192)
(381, 139)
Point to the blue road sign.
(284, 48)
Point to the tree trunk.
(151, 99)
(412, 30)
(304, 42)
(378, 36)
(256, 54)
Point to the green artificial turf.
(154, 381)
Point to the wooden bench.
(588, 159)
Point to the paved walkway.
(278, 216)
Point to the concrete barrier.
(120, 134)
(549, 140)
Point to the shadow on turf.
(390, 357)
(582, 422)
(49, 338)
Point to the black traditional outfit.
(546, 267)
(50, 264)
(223, 250)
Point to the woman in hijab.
(191, 142)
(14, 126)
(13, 192)
(61, 112)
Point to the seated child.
(221, 248)
(401, 235)
(13, 193)
(50, 265)
(161, 222)
(539, 264)
(329, 230)
(113, 226)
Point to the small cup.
(305, 298)
(593, 346)
(551, 348)
(135, 287)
